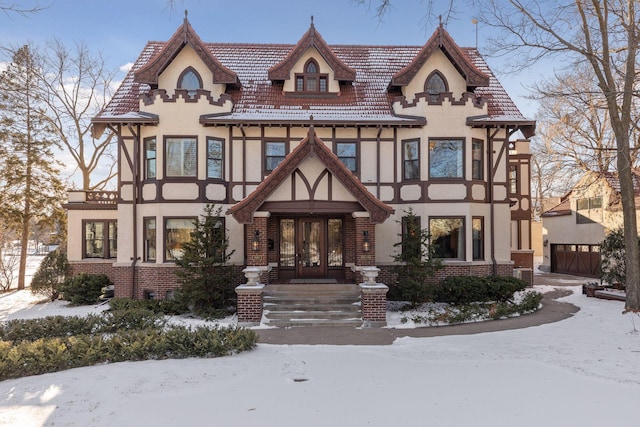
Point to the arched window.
(311, 80)
(190, 80)
(435, 85)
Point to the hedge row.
(460, 290)
(63, 326)
(55, 354)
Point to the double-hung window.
(478, 238)
(411, 159)
(150, 158)
(446, 158)
(274, 154)
(181, 156)
(214, 158)
(149, 239)
(477, 159)
(347, 152)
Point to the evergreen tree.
(30, 187)
(415, 262)
(204, 273)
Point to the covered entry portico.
(310, 218)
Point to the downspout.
(378, 161)
(134, 209)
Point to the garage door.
(581, 260)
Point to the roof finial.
(186, 12)
(440, 19)
(311, 21)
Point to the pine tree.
(415, 262)
(30, 187)
(204, 273)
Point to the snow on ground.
(581, 371)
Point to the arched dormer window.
(190, 80)
(311, 80)
(435, 85)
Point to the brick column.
(373, 299)
(365, 230)
(250, 301)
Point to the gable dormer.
(183, 48)
(440, 67)
(311, 67)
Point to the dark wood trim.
(304, 207)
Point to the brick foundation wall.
(160, 280)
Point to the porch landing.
(314, 304)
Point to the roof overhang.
(527, 127)
(228, 120)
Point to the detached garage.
(581, 260)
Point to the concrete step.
(312, 305)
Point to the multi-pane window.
(477, 226)
(513, 179)
(446, 158)
(311, 80)
(214, 158)
(177, 232)
(100, 239)
(150, 158)
(181, 157)
(411, 159)
(347, 152)
(435, 85)
(476, 159)
(190, 80)
(589, 210)
(274, 154)
(447, 237)
(149, 239)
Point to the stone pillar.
(373, 299)
(250, 300)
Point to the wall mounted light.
(545, 243)
(255, 244)
(365, 241)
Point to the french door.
(310, 246)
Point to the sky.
(582, 371)
(119, 29)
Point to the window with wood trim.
(411, 159)
(149, 239)
(181, 157)
(215, 158)
(447, 237)
(190, 80)
(347, 152)
(311, 80)
(477, 159)
(446, 158)
(150, 154)
(513, 179)
(100, 238)
(477, 230)
(435, 85)
(177, 231)
(274, 154)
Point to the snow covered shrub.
(53, 271)
(84, 288)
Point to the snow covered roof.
(365, 100)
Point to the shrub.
(415, 263)
(160, 306)
(613, 266)
(37, 346)
(84, 288)
(52, 273)
(468, 289)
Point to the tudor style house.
(315, 153)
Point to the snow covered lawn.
(581, 371)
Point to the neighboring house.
(574, 229)
(315, 153)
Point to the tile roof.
(367, 99)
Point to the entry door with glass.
(311, 247)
